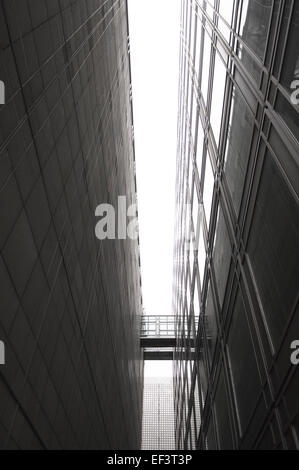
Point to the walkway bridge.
(158, 337)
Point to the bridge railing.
(158, 326)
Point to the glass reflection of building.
(237, 201)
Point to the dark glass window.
(208, 189)
(222, 414)
(289, 108)
(210, 324)
(289, 113)
(238, 145)
(255, 22)
(221, 256)
(211, 438)
(242, 359)
(274, 249)
(203, 379)
(254, 28)
(290, 69)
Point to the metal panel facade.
(70, 303)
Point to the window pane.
(221, 257)
(290, 69)
(199, 151)
(289, 112)
(218, 96)
(198, 41)
(225, 10)
(242, 360)
(206, 67)
(289, 109)
(273, 251)
(254, 30)
(222, 413)
(201, 255)
(208, 189)
(238, 146)
(255, 22)
(210, 323)
(199, 244)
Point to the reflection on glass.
(210, 323)
(195, 207)
(201, 253)
(197, 415)
(221, 256)
(208, 190)
(254, 28)
(199, 152)
(255, 24)
(198, 41)
(193, 126)
(238, 145)
(188, 296)
(290, 70)
(274, 250)
(190, 168)
(196, 304)
(203, 380)
(218, 96)
(193, 432)
(289, 112)
(210, 11)
(198, 227)
(225, 10)
(205, 67)
(289, 109)
(191, 258)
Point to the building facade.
(158, 414)
(70, 303)
(236, 251)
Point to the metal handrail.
(157, 326)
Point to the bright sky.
(157, 369)
(154, 41)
